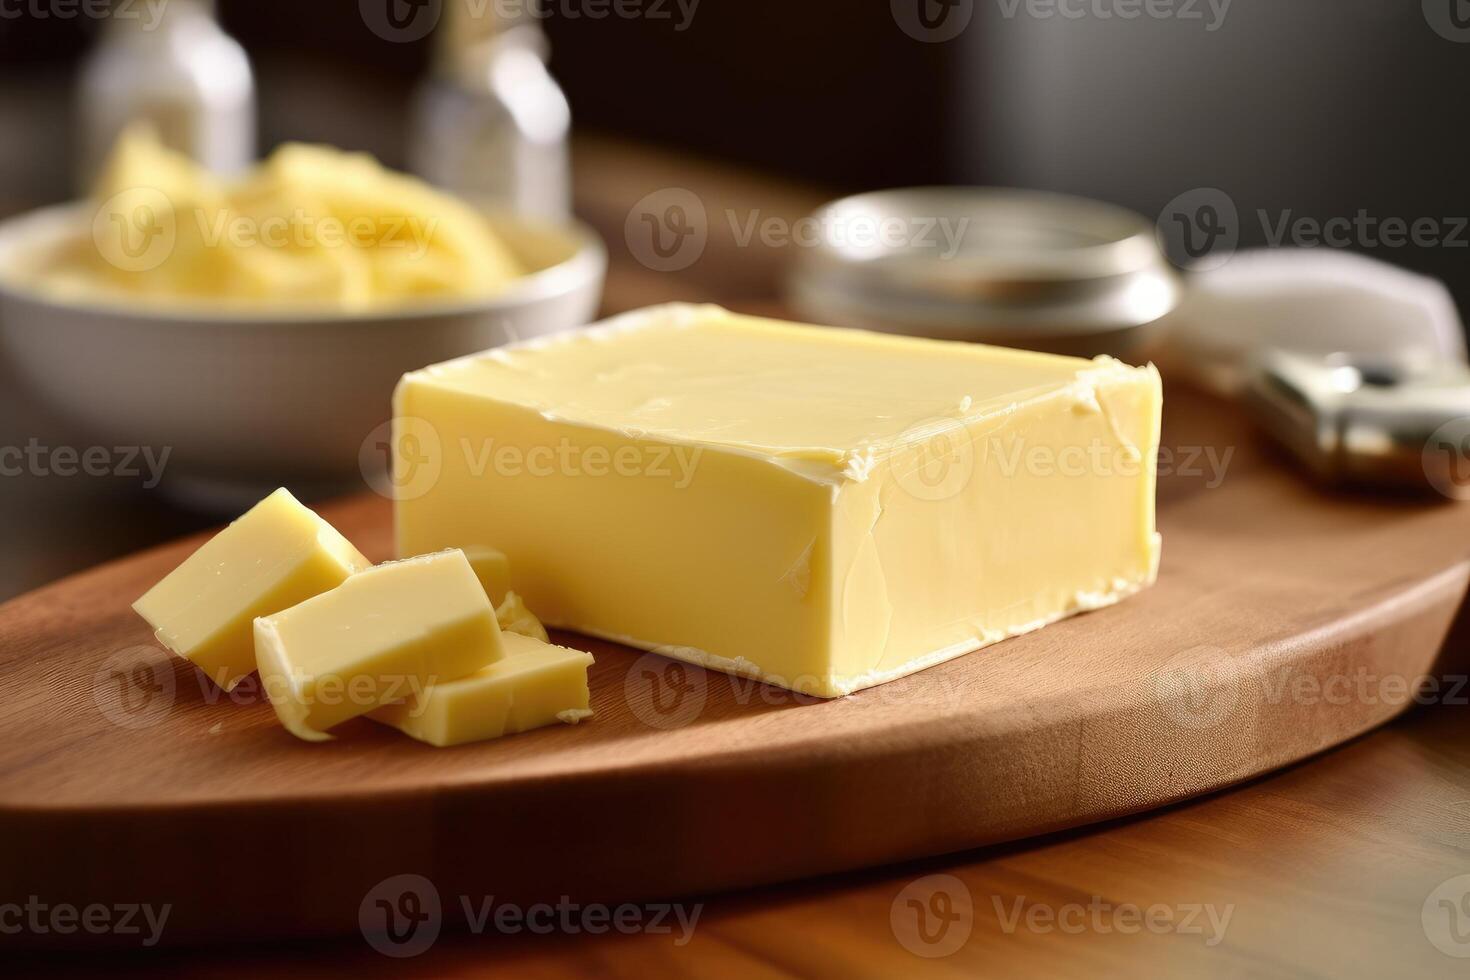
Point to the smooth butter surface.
(699, 374)
(382, 635)
(273, 556)
(825, 509)
(536, 684)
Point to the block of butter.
(822, 509)
(536, 684)
(383, 635)
(275, 555)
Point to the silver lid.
(1015, 267)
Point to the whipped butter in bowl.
(255, 328)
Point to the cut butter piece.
(383, 635)
(536, 684)
(819, 508)
(275, 555)
(516, 618)
(492, 568)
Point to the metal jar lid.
(1020, 268)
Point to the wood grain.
(1285, 621)
(1325, 867)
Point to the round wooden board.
(1285, 620)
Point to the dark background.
(1307, 108)
(1320, 108)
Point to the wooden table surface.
(1346, 865)
(1323, 870)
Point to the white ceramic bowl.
(244, 402)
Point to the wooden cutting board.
(1285, 621)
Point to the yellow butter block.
(536, 684)
(823, 509)
(493, 569)
(383, 635)
(277, 554)
(515, 617)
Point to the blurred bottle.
(172, 65)
(491, 123)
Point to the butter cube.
(515, 617)
(493, 570)
(822, 509)
(535, 684)
(383, 635)
(277, 554)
